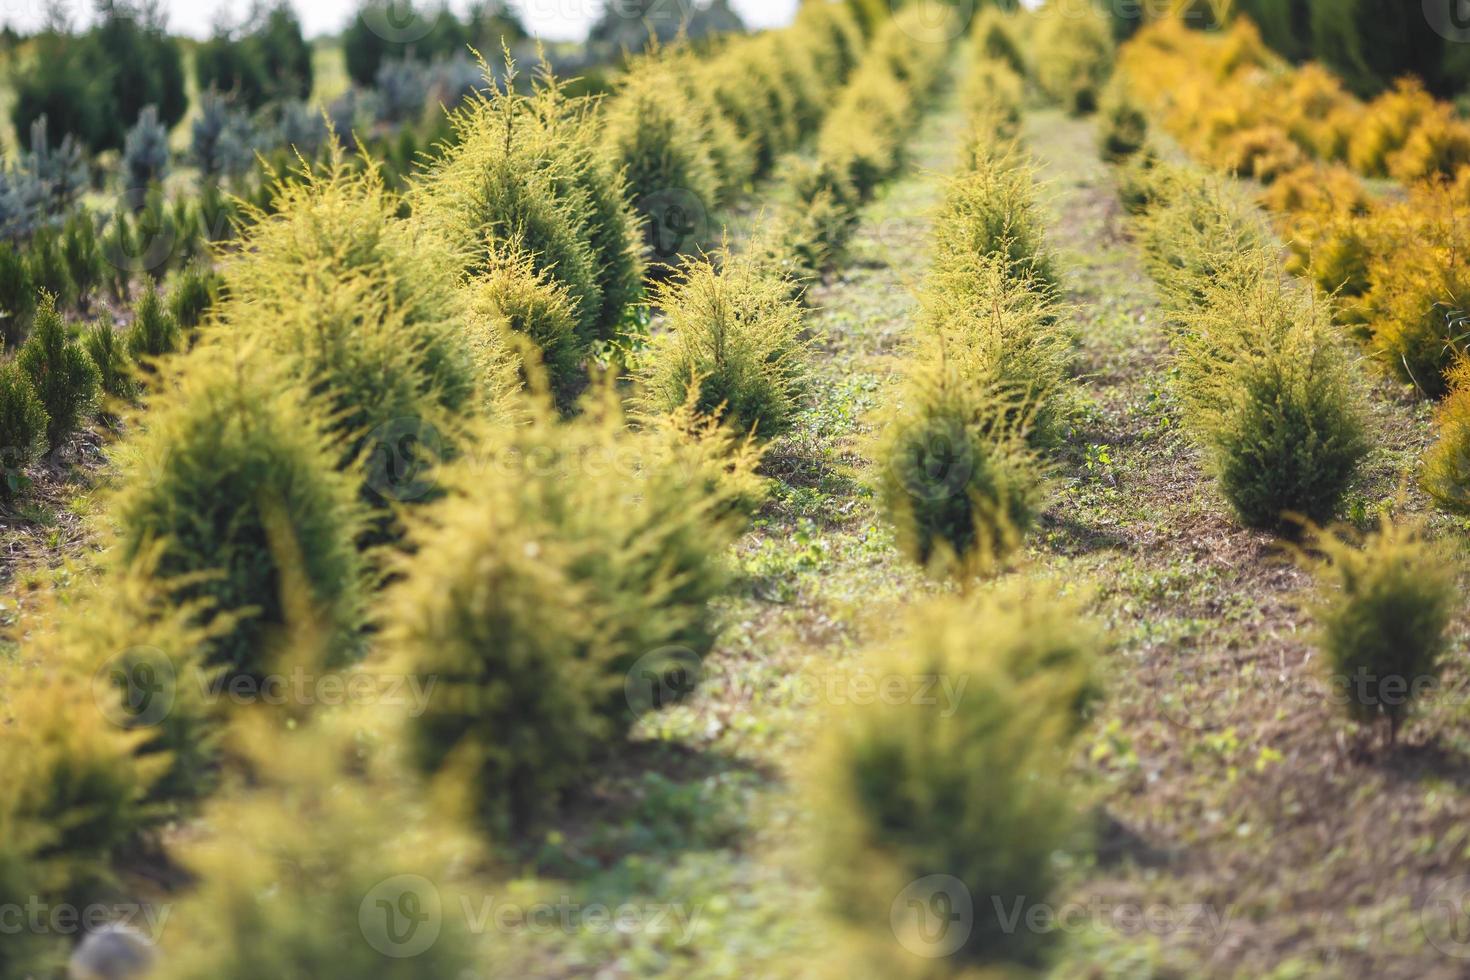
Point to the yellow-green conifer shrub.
(504, 182)
(25, 952)
(1072, 54)
(74, 780)
(569, 564)
(1195, 235)
(228, 494)
(571, 133)
(1000, 329)
(1383, 612)
(653, 133)
(144, 652)
(1122, 125)
(1446, 472)
(993, 95)
(320, 869)
(1143, 181)
(993, 36)
(732, 152)
(734, 331)
(749, 89)
(537, 307)
(836, 37)
(990, 210)
(955, 476)
(362, 310)
(1418, 306)
(1270, 395)
(964, 797)
(23, 423)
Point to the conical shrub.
(73, 778)
(959, 802)
(1383, 612)
(541, 597)
(229, 496)
(991, 209)
(64, 378)
(734, 331)
(955, 477)
(23, 424)
(652, 131)
(1270, 395)
(536, 307)
(363, 310)
(502, 183)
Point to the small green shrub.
(1122, 126)
(993, 97)
(955, 477)
(748, 89)
(26, 952)
(1383, 613)
(63, 375)
(48, 268)
(533, 595)
(1446, 475)
(17, 296)
(1142, 181)
(23, 424)
(998, 328)
(106, 347)
(731, 152)
(142, 651)
(1195, 235)
(154, 331)
(230, 499)
(994, 38)
(1270, 395)
(194, 294)
(734, 332)
(964, 796)
(83, 255)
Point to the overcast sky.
(552, 19)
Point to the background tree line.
(1369, 43)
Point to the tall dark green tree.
(94, 85)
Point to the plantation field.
(902, 495)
